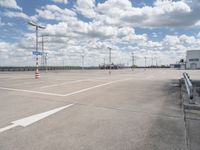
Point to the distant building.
(193, 59)
(175, 66)
(178, 66)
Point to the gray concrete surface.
(138, 110)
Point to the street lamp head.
(36, 25)
(31, 23)
(42, 27)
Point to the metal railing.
(189, 87)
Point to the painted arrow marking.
(24, 122)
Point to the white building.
(193, 59)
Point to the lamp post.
(109, 60)
(43, 55)
(152, 62)
(132, 61)
(37, 74)
(104, 63)
(82, 57)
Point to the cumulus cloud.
(86, 8)
(90, 27)
(1, 23)
(60, 1)
(163, 13)
(53, 12)
(13, 14)
(10, 4)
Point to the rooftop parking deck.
(91, 109)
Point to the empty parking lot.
(91, 109)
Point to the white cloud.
(198, 35)
(1, 23)
(9, 4)
(162, 13)
(86, 8)
(53, 12)
(111, 23)
(60, 1)
(17, 14)
(171, 40)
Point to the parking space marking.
(29, 91)
(24, 122)
(70, 82)
(73, 81)
(64, 95)
(149, 77)
(87, 89)
(28, 83)
(97, 86)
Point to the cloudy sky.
(161, 30)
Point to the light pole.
(43, 56)
(82, 56)
(152, 62)
(37, 74)
(109, 60)
(145, 59)
(45, 61)
(132, 61)
(104, 63)
(155, 58)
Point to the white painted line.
(149, 77)
(24, 122)
(7, 128)
(28, 83)
(53, 85)
(94, 87)
(70, 82)
(29, 91)
(87, 89)
(64, 95)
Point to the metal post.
(82, 61)
(132, 61)
(37, 74)
(145, 59)
(46, 61)
(156, 61)
(104, 63)
(109, 60)
(43, 55)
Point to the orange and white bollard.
(37, 74)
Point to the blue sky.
(159, 29)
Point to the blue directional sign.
(37, 53)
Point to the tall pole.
(63, 64)
(37, 75)
(109, 60)
(82, 56)
(46, 61)
(104, 63)
(43, 55)
(145, 61)
(132, 61)
(156, 61)
(152, 61)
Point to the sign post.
(37, 74)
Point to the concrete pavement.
(125, 110)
